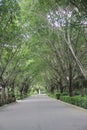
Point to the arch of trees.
(43, 42)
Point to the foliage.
(76, 100)
(7, 101)
(43, 43)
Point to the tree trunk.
(61, 86)
(81, 86)
(70, 81)
(3, 94)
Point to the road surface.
(41, 113)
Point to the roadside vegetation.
(43, 43)
(77, 99)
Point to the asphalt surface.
(41, 113)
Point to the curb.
(74, 106)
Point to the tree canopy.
(43, 42)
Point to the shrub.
(64, 94)
(1, 102)
(7, 100)
(76, 93)
(76, 100)
(57, 95)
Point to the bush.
(76, 100)
(64, 94)
(10, 100)
(57, 95)
(7, 101)
(1, 103)
(77, 93)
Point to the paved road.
(41, 113)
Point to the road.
(41, 113)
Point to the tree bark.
(3, 94)
(70, 81)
